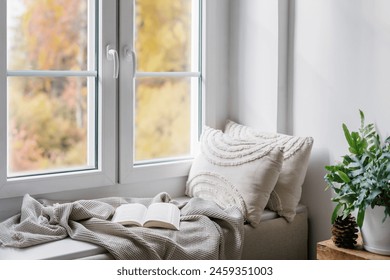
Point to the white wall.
(216, 55)
(338, 63)
(253, 57)
(341, 56)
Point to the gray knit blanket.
(206, 230)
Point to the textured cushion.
(233, 172)
(287, 193)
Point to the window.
(160, 106)
(51, 86)
(84, 107)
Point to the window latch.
(112, 54)
(130, 55)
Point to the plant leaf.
(361, 117)
(373, 194)
(357, 172)
(335, 213)
(343, 176)
(347, 135)
(360, 216)
(348, 198)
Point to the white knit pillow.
(287, 193)
(233, 172)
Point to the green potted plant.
(361, 183)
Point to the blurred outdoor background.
(48, 116)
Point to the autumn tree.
(163, 44)
(48, 115)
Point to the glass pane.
(163, 117)
(50, 124)
(48, 35)
(166, 35)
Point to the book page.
(130, 214)
(164, 215)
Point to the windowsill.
(157, 171)
(65, 249)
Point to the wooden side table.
(326, 250)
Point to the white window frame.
(105, 173)
(115, 158)
(130, 171)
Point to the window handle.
(112, 54)
(130, 55)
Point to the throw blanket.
(206, 230)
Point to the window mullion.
(167, 74)
(50, 73)
(126, 90)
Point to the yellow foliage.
(162, 41)
(48, 115)
(163, 108)
(162, 118)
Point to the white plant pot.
(375, 234)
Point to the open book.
(162, 215)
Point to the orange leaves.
(48, 115)
(54, 34)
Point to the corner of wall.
(216, 78)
